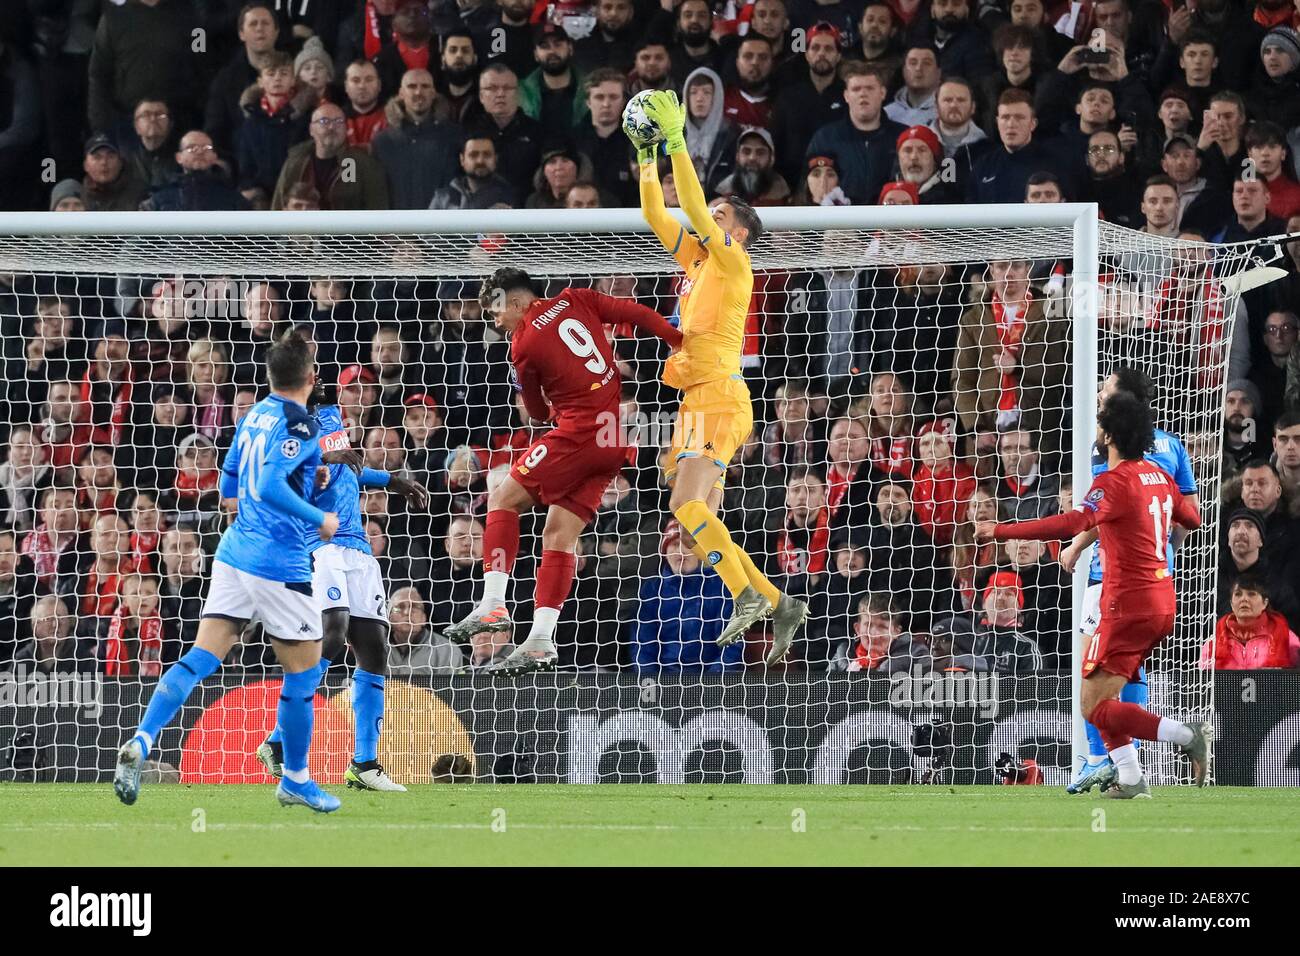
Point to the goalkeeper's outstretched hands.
(669, 115)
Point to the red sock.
(501, 540)
(1117, 720)
(555, 578)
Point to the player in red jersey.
(567, 372)
(1133, 505)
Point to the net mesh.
(904, 386)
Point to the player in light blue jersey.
(350, 591)
(1167, 453)
(262, 572)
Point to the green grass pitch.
(649, 825)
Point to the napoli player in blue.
(1167, 452)
(262, 572)
(350, 591)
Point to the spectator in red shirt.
(1253, 635)
(941, 484)
(749, 103)
(1266, 147)
(364, 113)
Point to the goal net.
(911, 371)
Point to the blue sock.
(1136, 693)
(173, 690)
(368, 708)
(1096, 748)
(277, 735)
(295, 719)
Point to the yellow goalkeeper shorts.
(714, 420)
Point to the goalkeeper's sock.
(174, 688)
(296, 718)
(500, 548)
(714, 538)
(757, 580)
(1116, 720)
(277, 735)
(368, 709)
(1126, 763)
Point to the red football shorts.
(569, 469)
(1123, 642)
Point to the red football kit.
(1134, 506)
(568, 373)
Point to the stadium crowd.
(896, 406)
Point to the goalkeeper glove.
(670, 115)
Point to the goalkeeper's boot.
(307, 794)
(271, 756)
(126, 777)
(1130, 791)
(525, 660)
(1104, 776)
(787, 618)
(1087, 771)
(369, 775)
(489, 622)
(750, 608)
(1198, 751)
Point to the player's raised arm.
(681, 245)
(616, 311)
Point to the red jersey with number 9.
(1134, 505)
(560, 349)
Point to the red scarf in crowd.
(1270, 625)
(866, 660)
(373, 40)
(270, 109)
(111, 433)
(837, 486)
(796, 560)
(1011, 331)
(102, 591)
(362, 127)
(143, 546)
(44, 553)
(92, 508)
(1284, 16)
(192, 484)
(117, 655)
(415, 57)
(893, 455)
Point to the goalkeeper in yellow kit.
(716, 415)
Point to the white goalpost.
(896, 395)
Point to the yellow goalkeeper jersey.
(719, 282)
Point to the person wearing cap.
(1175, 113)
(1244, 553)
(991, 637)
(862, 143)
(920, 158)
(551, 93)
(1274, 95)
(811, 102)
(1200, 208)
(417, 150)
(821, 185)
(898, 193)
(66, 196)
(561, 167)
(756, 180)
(914, 103)
(109, 185)
(358, 397)
(314, 69)
(426, 439)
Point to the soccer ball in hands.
(640, 128)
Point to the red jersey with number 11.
(1134, 505)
